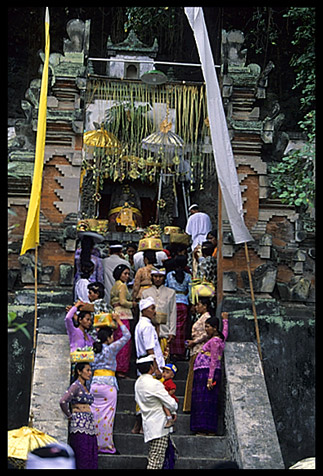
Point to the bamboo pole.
(33, 357)
(219, 252)
(253, 303)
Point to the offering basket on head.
(104, 319)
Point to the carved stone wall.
(281, 257)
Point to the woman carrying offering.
(77, 328)
(120, 299)
(81, 429)
(207, 378)
(104, 384)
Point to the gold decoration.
(171, 229)
(165, 126)
(97, 196)
(125, 217)
(141, 163)
(150, 244)
(153, 231)
(161, 203)
(134, 173)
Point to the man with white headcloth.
(147, 343)
(151, 396)
(198, 226)
(146, 338)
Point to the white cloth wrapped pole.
(222, 150)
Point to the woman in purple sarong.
(207, 378)
(82, 430)
(104, 384)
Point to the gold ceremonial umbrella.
(25, 439)
(102, 138)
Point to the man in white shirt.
(165, 300)
(146, 339)
(138, 259)
(198, 226)
(151, 396)
(147, 343)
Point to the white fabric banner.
(222, 150)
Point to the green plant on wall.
(14, 326)
(293, 179)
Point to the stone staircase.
(246, 431)
(195, 452)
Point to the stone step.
(124, 422)
(187, 445)
(140, 462)
(57, 295)
(51, 379)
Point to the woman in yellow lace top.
(143, 275)
(120, 300)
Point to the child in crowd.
(81, 285)
(169, 372)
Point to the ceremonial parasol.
(163, 141)
(101, 138)
(25, 439)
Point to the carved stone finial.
(75, 29)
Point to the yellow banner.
(31, 234)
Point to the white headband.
(158, 271)
(144, 303)
(146, 358)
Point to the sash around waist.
(206, 353)
(104, 373)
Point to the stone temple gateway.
(80, 183)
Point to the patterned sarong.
(177, 346)
(157, 451)
(124, 354)
(104, 409)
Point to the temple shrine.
(132, 148)
(129, 149)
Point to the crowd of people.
(149, 294)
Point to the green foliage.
(14, 326)
(303, 60)
(142, 19)
(163, 23)
(264, 30)
(293, 178)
